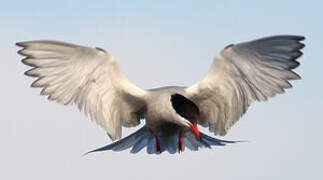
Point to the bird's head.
(188, 110)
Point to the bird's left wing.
(241, 74)
(88, 77)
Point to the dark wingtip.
(298, 54)
(101, 49)
(27, 73)
(35, 85)
(285, 37)
(24, 61)
(228, 46)
(302, 45)
(19, 44)
(301, 38)
(296, 37)
(20, 51)
(296, 64)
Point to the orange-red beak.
(195, 129)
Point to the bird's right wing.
(243, 73)
(88, 77)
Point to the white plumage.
(91, 78)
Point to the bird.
(91, 78)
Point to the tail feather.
(140, 143)
(214, 141)
(122, 144)
(169, 144)
(190, 141)
(151, 145)
(145, 138)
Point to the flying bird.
(92, 79)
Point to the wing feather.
(88, 77)
(243, 73)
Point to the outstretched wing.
(88, 77)
(241, 74)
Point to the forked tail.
(145, 138)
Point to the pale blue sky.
(157, 44)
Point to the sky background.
(157, 44)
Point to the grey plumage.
(92, 79)
(241, 74)
(144, 138)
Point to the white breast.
(159, 108)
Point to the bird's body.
(158, 114)
(92, 79)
